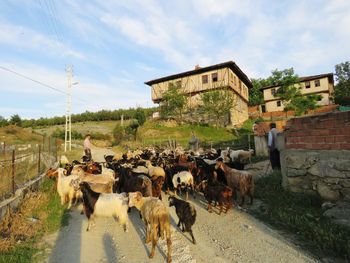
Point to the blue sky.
(115, 46)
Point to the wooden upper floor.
(224, 75)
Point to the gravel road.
(232, 237)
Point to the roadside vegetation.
(301, 214)
(21, 232)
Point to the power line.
(49, 23)
(40, 83)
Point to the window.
(178, 83)
(205, 79)
(273, 92)
(317, 83)
(307, 84)
(278, 103)
(214, 77)
(263, 108)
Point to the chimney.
(197, 67)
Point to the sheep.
(183, 179)
(241, 156)
(105, 205)
(218, 193)
(64, 188)
(107, 179)
(186, 214)
(238, 180)
(156, 217)
(140, 170)
(155, 171)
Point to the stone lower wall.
(322, 172)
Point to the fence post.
(56, 155)
(39, 159)
(49, 150)
(13, 171)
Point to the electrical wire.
(40, 83)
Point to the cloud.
(22, 37)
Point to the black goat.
(186, 214)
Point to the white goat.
(64, 188)
(183, 179)
(104, 205)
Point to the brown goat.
(157, 185)
(156, 217)
(238, 180)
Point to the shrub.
(118, 134)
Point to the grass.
(158, 132)
(301, 214)
(22, 242)
(16, 135)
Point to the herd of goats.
(137, 179)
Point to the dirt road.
(234, 237)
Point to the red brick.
(329, 139)
(336, 146)
(340, 138)
(324, 132)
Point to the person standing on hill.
(87, 146)
(274, 153)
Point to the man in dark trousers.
(272, 144)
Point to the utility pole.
(68, 130)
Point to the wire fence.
(21, 163)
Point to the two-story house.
(226, 75)
(318, 84)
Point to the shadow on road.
(109, 247)
(67, 247)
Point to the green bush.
(118, 134)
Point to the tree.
(217, 104)
(342, 88)
(289, 92)
(174, 102)
(16, 120)
(118, 133)
(140, 116)
(131, 129)
(255, 94)
(3, 121)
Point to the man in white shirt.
(87, 146)
(272, 145)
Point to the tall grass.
(301, 214)
(55, 217)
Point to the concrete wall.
(260, 143)
(316, 158)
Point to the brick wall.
(254, 112)
(330, 131)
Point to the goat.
(220, 194)
(183, 179)
(156, 217)
(186, 214)
(65, 189)
(155, 171)
(106, 205)
(238, 180)
(157, 185)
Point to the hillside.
(157, 132)
(17, 135)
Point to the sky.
(115, 46)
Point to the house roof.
(307, 78)
(229, 64)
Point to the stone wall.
(316, 158)
(326, 173)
